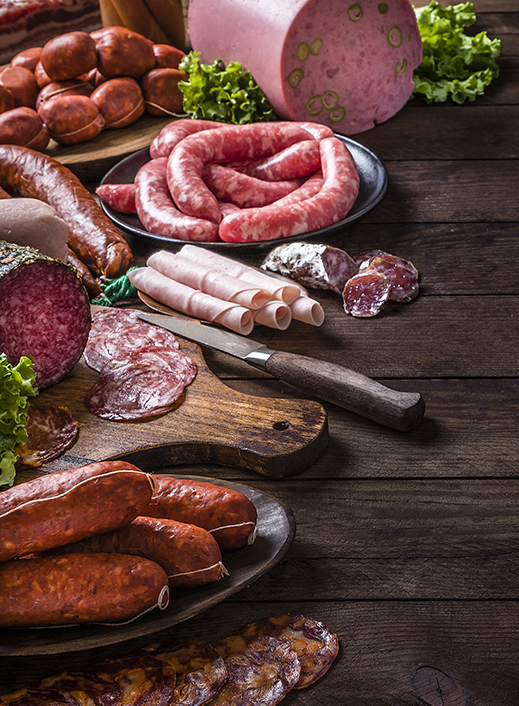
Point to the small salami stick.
(315, 645)
(200, 670)
(365, 294)
(312, 264)
(261, 671)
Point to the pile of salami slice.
(260, 664)
(142, 370)
(365, 282)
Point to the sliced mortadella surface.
(286, 291)
(205, 278)
(190, 301)
(348, 65)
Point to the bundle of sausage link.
(105, 542)
(240, 183)
(258, 666)
(77, 84)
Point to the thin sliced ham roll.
(307, 310)
(207, 279)
(284, 291)
(190, 301)
(275, 314)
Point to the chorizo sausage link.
(94, 239)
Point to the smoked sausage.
(162, 95)
(93, 237)
(227, 514)
(189, 555)
(79, 588)
(59, 88)
(28, 58)
(71, 119)
(63, 507)
(167, 56)
(23, 126)
(69, 55)
(6, 99)
(123, 52)
(119, 101)
(22, 84)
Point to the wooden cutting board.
(91, 160)
(210, 423)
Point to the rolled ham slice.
(275, 314)
(206, 279)
(307, 310)
(190, 301)
(348, 65)
(285, 291)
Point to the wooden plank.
(449, 191)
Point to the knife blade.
(329, 381)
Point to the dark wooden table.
(407, 544)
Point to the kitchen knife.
(346, 388)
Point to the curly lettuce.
(454, 65)
(226, 94)
(16, 386)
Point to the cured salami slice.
(144, 384)
(113, 319)
(365, 294)
(261, 672)
(315, 645)
(45, 312)
(200, 670)
(116, 344)
(51, 430)
(312, 265)
(403, 282)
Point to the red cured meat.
(403, 281)
(346, 65)
(329, 205)
(145, 384)
(157, 212)
(365, 294)
(51, 430)
(230, 143)
(113, 319)
(116, 345)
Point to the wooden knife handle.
(348, 389)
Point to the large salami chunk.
(348, 65)
(44, 312)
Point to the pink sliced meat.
(51, 430)
(365, 294)
(120, 197)
(112, 319)
(364, 259)
(173, 132)
(346, 65)
(116, 345)
(157, 212)
(293, 162)
(145, 384)
(244, 190)
(329, 205)
(225, 144)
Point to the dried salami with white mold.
(44, 312)
(312, 264)
(402, 275)
(365, 294)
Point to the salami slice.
(200, 670)
(51, 430)
(403, 282)
(365, 294)
(116, 344)
(261, 672)
(45, 312)
(145, 384)
(312, 265)
(315, 644)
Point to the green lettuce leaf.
(454, 65)
(16, 386)
(226, 94)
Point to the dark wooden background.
(407, 545)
